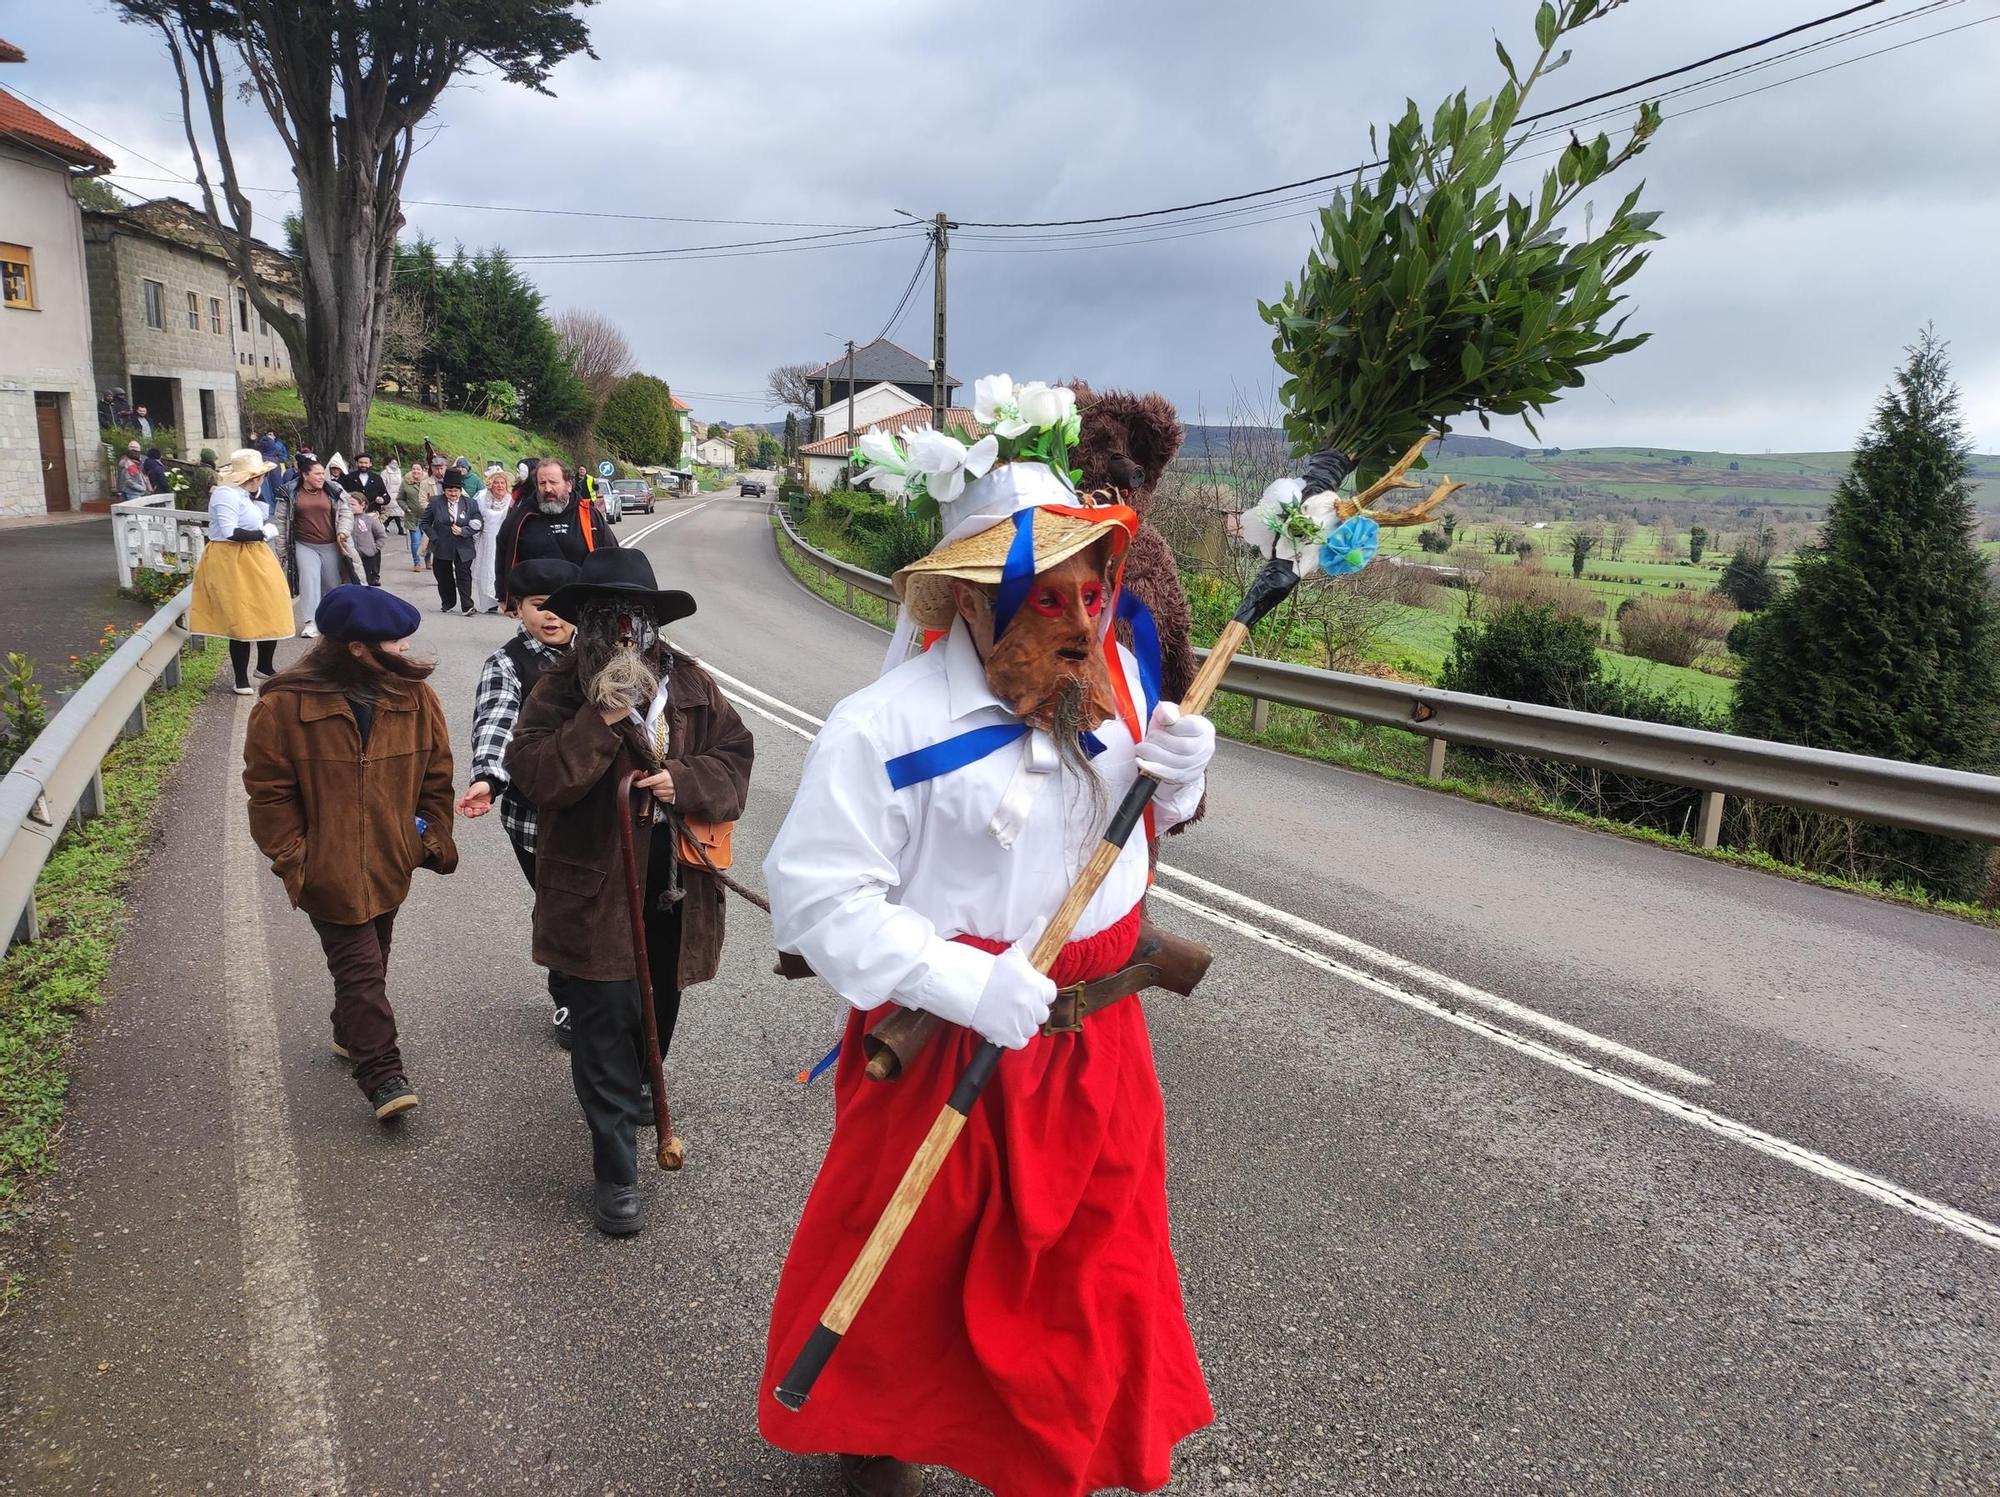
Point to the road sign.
(605, 469)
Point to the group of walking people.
(1030, 1331)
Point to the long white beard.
(626, 682)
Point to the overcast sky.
(1811, 228)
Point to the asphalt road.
(58, 589)
(1505, 1157)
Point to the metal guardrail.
(1889, 792)
(60, 777)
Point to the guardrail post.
(170, 673)
(850, 597)
(136, 723)
(1708, 824)
(29, 926)
(91, 802)
(1260, 714)
(1434, 758)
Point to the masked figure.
(1028, 1330)
(623, 700)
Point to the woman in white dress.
(494, 502)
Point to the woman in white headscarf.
(494, 502)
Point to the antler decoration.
(1417, 513)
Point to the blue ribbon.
(819, 1066)
(966, 748)
(1018, 575)
(1137, 617)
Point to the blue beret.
(365, 613)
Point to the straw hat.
(243, 467)
(980, 534)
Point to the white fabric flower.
(1042, 405)
(993, 404)
(944, 462)
(882, 462)
(1283, 525)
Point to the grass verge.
(1394, 755)
(46, 984)
(394, 427)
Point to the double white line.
(1309, 943)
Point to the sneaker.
(466, 611)
(311, 630)
(565, 1035)
(343, 1052)
(244, 691)
(392, 1097)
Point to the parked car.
(750, 488)
(633, 493)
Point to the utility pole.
(940, 391)
(850, 407)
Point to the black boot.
(616, 1210)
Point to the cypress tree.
(1888, 640)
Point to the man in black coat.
(551, 524)
(366, 482)
(453, 523)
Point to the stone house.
(172, 324)
(50, 458)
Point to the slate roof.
(183, 224)
(882, 362)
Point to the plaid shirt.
(496, 703)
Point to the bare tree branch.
(597, 349)
(792, 386)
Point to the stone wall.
(20, 441)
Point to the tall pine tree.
(1888, 640)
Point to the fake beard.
(614, 659)
(1028, 669)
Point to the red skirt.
(1028, 1331)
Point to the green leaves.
(1430, 293)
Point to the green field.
(394, 427)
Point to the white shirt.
(869, 883)
(230, 509)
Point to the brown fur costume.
(1127, 442)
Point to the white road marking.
(1520, 1013)
(633, 540)
(1874, 1187)
(1973, 1228)
(296, 1441)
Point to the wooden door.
(55, 461)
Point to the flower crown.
(1035, 423)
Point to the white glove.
(1014, 1004)
(270, 532)
(1177, 748)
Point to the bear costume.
(1126, 444)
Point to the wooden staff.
(1272, 585)
(671, 1151)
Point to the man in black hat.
(552, 521)
(624, 700)
(506, 679)
(453, 523)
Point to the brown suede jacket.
(568, 762)
(339, 822)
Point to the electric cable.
(930, 243)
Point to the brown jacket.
(568, 761)
(338, 823)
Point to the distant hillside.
(1637, 474)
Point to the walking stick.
(1271, 586)
(671, 1151)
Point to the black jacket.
(441, 514)
(529, 535)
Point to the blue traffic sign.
(605, 469)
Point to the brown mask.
(1054, 646)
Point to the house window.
(267, 361)
(215, 314)
(194, 313)
(208, 413)
(243, 311)
(156, 304)
(263, 327)
(17, 274)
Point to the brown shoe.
(880, 1476)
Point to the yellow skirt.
(240, 593)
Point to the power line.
(1063, 223)
(922, 260)
(1001, 244)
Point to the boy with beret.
(505, 680)
(348, 764)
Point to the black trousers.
(558, 984)
(371, 569)
(607, 1055)
(454, 580)
(239, 658)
